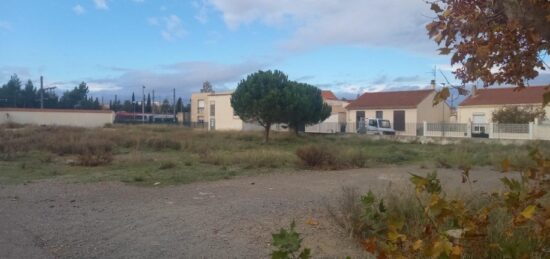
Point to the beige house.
(478, 108)
(57, 117)
(406, 110)
(336, 121)
(215, 111)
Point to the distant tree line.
(165, 107)
(14, 95)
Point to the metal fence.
(538, 130)
(457, 130)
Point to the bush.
(319, 157)
(509, 224)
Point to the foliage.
(288, 244)
(148, 105)
(179, 105)
(315, 156)
(261, 98)
(511, 224)
(305, 106)
(518, 115)
(268, 97)
(207, 87)
(78, 98)
(10, 93)
(484, 35)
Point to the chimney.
(474, 90)
(432, 83)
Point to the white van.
(375, 127)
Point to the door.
(479, 125)
(399, 120)
(359, 119)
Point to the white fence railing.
(534, 130)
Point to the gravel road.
(223, 219)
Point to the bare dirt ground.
(224, 219)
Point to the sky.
(118, 46)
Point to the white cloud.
(186, 77)
(394, 23)
(202, 11)
(4, 25)
(78, 9)
(171, 26)
(101, 4)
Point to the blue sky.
(117, 46)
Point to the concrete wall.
(466, 113)
(224, 117)
(76, 118)
(426, 111)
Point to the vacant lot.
(149, 191)
(223, 219)
(162, 155)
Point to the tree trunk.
(266, 134)
(296, 131)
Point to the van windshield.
(385, 124)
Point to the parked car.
(375, 127)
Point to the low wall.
(59, 117)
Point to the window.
(385, 124)
(200, 106)
(373, 123)
(200, 119)
(379, 114)
(212, 108)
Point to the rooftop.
(390, 100)
(328, 95)
(507, 95)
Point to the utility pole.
(42, 89)
(143, 104)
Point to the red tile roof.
(507, 95)
(390, 100)
(328, 95)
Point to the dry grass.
(203, 155)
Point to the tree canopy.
(305, 106)
(497, 42)
(268, 98)
(518, 115)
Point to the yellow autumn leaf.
(312, 222)
(529, 211)
(418, 244)
(505, 165)
(457, 250)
